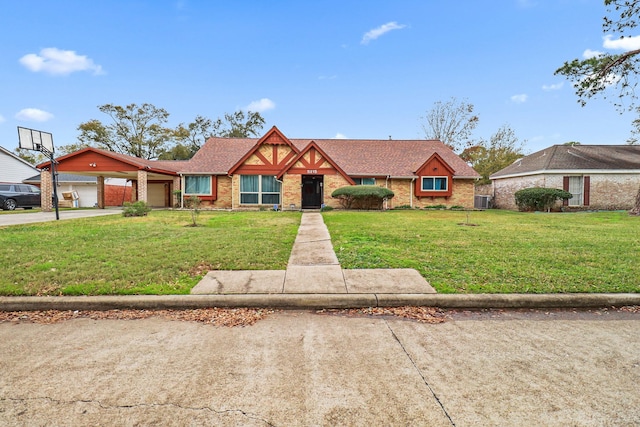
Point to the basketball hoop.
(35, 140)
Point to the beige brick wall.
(461, 194)
(331, 184)
(607, 191)
(616, 191)
(46, 190)
(142, 185)
(224, 193)
(291, 191)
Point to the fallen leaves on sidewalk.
(214, 316)
(419, 314)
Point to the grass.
(157, 254)
(506, 252)
(502, 252)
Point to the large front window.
(434, 183)
(197, 184)
(259, 190)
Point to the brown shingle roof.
(397, 158)
(575, 157)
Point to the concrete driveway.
(31, 217)
(304, 368)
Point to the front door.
(312, 191)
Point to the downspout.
(182, 188)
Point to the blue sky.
(319, 69)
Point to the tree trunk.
(636, 207)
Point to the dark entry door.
(312, 191)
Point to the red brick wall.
(115, 195)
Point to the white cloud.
(264, 104)
(339, 136)
(33, 115)
(520, 98)
(624, 43)
(2, 119)
(383, 29)
(59, 62)
(588, 53)
(555, 86)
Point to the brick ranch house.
(238, 173)
(599, 176)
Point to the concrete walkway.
(33, 217)
(313, 268)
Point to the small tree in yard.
(539, 199)
(362, 196)
(138, 208)
(193, 203)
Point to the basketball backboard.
(31, 139)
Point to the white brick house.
(598, 176)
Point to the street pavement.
(306, 368)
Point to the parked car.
(19, 196)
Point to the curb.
(318, 301)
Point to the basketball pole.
(54, 176)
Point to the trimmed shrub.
(362, 196)
(539, 198)
(138, 208)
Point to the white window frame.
(446, 181)
(576, 188)
(359, 181)
(260, 193)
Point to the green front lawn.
(160, 254)
(504, 252)
(157, 254)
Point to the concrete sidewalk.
(313, 268)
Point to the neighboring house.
(273, 170)
(13, 168)
(598, 176)
(86, 190)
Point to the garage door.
(156, 194)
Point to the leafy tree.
(572, 143)
(135, 130)
(141, 131)
(241, 125)
(503, 149)
(192, 136)
(592, 76)
(32, 157)
(451, 122)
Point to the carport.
(153, 181)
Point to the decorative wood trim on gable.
(435, 166)
(317, 163)
(273, 138)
